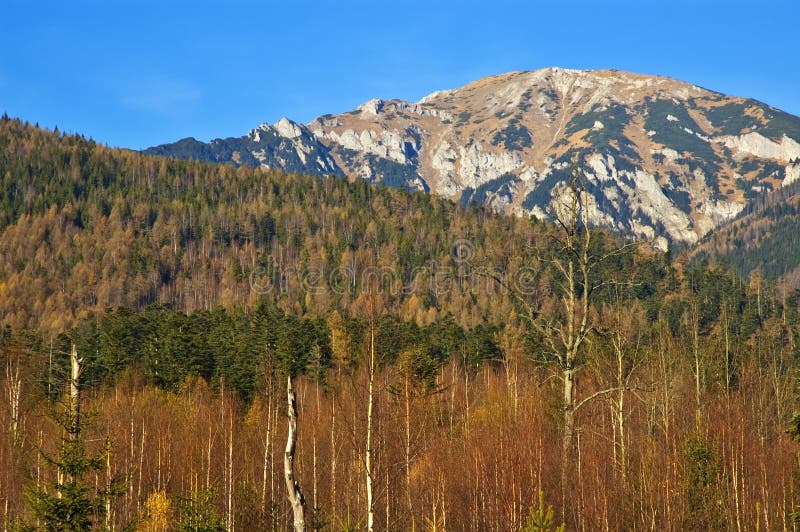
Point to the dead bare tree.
(296, 498)
(576, 260)
(574, 256)
(368, 463)
(74, 393)
(14, 394)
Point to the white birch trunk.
(368, 453)
(14, 393)
(292, 486)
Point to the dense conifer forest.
(454, 369)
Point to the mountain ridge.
(664, 160)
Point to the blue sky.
(136, 74)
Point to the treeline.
(165, 347)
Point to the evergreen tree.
(71, 501)
(198, 513)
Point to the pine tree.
(71, 501)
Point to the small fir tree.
(71, 502)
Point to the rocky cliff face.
(663, 159)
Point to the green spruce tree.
(71, 502)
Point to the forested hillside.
(763, 240)
(85, 228)
(454, 369)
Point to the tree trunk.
(292, 486)
(566, 442)
(108, 517)
(267, 451)
(695, 316)
(368, 453)
(620, 447)
(74, 394)
(623, 449)
(314, 476)
(74, 426)
(333, 454)
(409, 501)
(725, 322)
(229, 517)
(14, 392)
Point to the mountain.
(663, 159)
(284, 145)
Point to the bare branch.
(598, 394)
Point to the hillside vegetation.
(455, 369)
(85, 228)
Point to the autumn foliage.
(180, 284)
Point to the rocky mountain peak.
(287, 128)
(663, 159)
